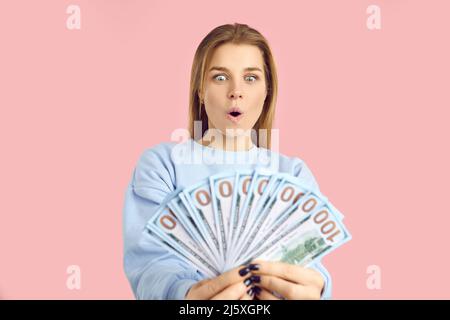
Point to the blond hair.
(237, 34)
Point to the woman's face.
(235, 87)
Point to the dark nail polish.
(253, 267)
(244, 271)
(248, 281)
(255, 279)
(250, 292)
(256, 290)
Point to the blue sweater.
(153, 271)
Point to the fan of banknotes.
(233, 217)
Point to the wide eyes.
(222, 77)
(253, 78)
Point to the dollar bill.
(166, 226)
(198, 199)
(233, 217)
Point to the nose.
(235, 92)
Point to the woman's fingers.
(290, 272)
(289, 290)
(266, 295)
(215, 285)
(290, 281)
(234, 292)
(248, 295)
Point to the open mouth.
(235, 113)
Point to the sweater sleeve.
(152, 271)
(326, 291)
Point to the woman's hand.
(231, 285)
(291, 281)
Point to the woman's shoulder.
(286, 163)
(295, 166)
(154, 166)
(159, 151)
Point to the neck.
(227, 143)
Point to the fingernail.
(250, 292)
(256, 290)
(244, 271)
(248, 281)
(255, 279)
(253, 266)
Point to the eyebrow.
(225, 69)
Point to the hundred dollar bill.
(167, 227)
(198, 199)
(289, 216)
(243, 180)
(292, 186)
(311, 230)
(286, 196)
(261, 212)
(189, 223)
(222, 190)
(262, 182)
(245, 184)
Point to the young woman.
(233, 89)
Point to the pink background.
(367, 110)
